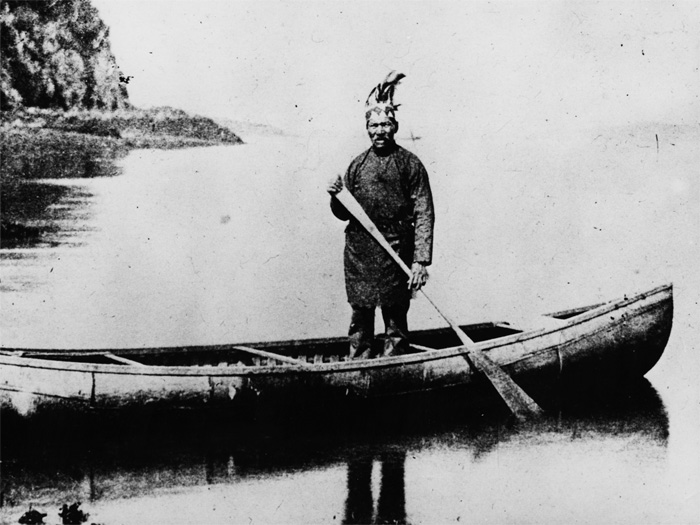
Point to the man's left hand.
(419, 276)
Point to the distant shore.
(163, 128)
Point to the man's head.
(381, 129)
(380, 112)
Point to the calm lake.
(237, 244)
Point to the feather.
(389, 86)
(384, 92)
(374, 90)
(381, 98)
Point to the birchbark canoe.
(607, 343)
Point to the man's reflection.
(391, 505)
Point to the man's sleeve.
(336, 207)
(423, 213)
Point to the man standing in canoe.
(392, 186)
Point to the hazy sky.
(306, 66)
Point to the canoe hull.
(615, 347)
(609, 344)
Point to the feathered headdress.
(381, 98)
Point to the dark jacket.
(394, 190)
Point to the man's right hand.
(335, 185)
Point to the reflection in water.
(58, 156)
(44, 215)
(359, 505)
(54, 462)
(38, 211)
(392, 497)
(391, 506)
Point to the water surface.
(236, 244)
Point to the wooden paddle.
(520, 404)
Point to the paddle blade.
(520, 404)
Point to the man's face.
(381, 130)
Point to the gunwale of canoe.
(506, 351)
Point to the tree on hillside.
(56, 54)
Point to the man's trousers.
(361, 331)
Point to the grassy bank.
(126, 128)
(42, 143)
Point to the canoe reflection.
(66, 462)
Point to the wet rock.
(72, 515)
(32, 517)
